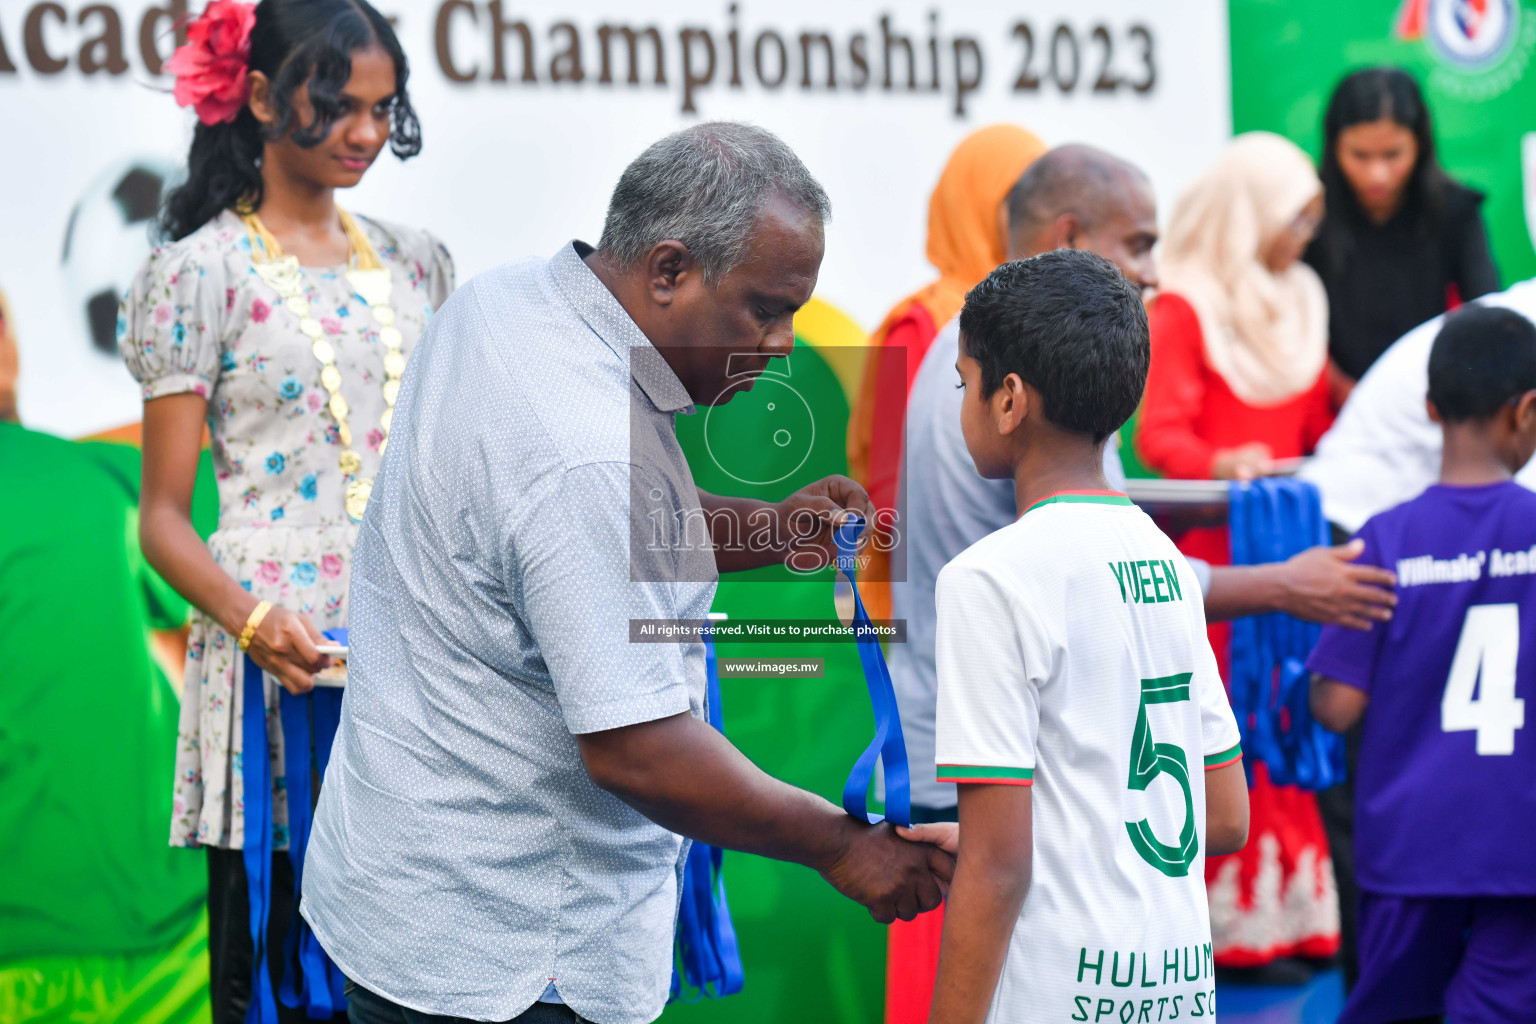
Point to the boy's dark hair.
(1482, 357)
(1072, 327)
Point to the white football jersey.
(1072, 657)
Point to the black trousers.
(1337, 808)
(230, 950)
(371, 1008)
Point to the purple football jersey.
(1445, 796)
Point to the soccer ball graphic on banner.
(108, 237)
(767, 439)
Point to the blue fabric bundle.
(310, 979)
(706, 940)
(1271, 520)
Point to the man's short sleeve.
(1349, 655)
(569, 569)
(988, 713)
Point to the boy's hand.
(1324, 585)
(943, 834)
(889, 875)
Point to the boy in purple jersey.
(1445, 798)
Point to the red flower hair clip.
(211, 67)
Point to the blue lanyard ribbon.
(1271, 520)
(888, 745)
(706, 940)
(310, 979)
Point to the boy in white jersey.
(1078, 697)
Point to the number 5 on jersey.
(1149, 759)
(1489, 647)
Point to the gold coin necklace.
(368, 279)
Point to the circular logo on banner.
(1473, 33)
(1482, 46)
(763, 440)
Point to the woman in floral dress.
(282, 324)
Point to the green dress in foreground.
(99, 916)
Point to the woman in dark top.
(1401, 241)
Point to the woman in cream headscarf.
(1239, 343)
(967, 239)
(1242, 325)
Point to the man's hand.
(810, 517)
(797, 531)
(1324, 585)
(891, 876)
(689, 779)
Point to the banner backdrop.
(531, 109)
(1472, 58)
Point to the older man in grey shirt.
(500, 834)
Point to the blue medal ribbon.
(1271, 520)
(310, 979)
(888, 746)
(706, 940)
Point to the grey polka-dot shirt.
(462, 859)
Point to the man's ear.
(1011, 403)
(665, 268)
(1434, 414)
(261, 98)
(1068, 232)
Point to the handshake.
(894, 872)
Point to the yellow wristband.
(253, 623)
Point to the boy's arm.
(1226, 809)
(991, 881)
(1337, 705)
(1343, 661)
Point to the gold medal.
(357, 498)
(283, 273)
(374, 284)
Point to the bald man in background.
(1073, 197)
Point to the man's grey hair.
(705, 186)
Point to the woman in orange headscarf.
(967, 239)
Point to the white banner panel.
(531, 109)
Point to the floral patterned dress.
(199, 319)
